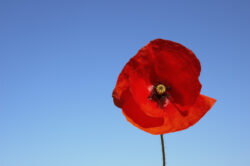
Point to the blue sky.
(59, 61)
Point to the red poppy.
(159, 89)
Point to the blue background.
(59, 61)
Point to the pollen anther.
(160, 89)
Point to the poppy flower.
(158, 90)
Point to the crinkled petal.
(177, 66)
(136, 116)
(137, 76)
(141, 88)
(137, 63)
(174, 120)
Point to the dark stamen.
(160, 94)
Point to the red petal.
(174, 120)
(202, 105)
(141, 89)
(121, 86)
(136, 116)
(140, 65)
(141, 76)
(176, 65)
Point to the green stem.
(163, 150)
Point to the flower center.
(160, 89)
(160, 94)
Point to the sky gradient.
(59, 61)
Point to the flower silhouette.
(158, 90)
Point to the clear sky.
(59, 61)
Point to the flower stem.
(163, 150)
